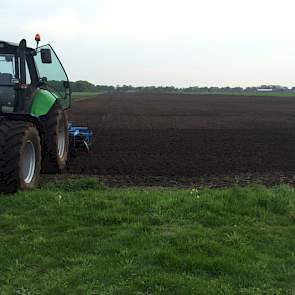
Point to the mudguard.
(42, 102)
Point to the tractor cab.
(31, 78)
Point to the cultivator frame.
(80, 139)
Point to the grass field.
(80, 237)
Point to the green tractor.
(34, 97)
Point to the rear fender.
(22, 117)
(42, 102)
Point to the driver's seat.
(6, 79)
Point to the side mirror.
(46, 56)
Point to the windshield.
(7, 69)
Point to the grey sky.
(163, 42)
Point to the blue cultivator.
(80, 139)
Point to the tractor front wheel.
(55, 140)
(20, 156)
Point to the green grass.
(80, 237)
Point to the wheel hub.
(61, 144)
(28, 162)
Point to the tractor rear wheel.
(20, 156)
(55, 140)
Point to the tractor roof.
(5, 43)
(9, 46)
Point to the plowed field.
(148, 137)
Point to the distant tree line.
(85, 86)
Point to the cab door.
(52, 75)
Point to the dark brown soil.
(173, 137)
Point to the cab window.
(52, 74)
(28, 76)
(7, 69)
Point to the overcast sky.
(163, 42)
